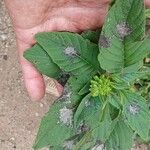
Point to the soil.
(19, 116)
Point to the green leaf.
(71, 52)
(121, 41)
(147, 13)
(136, 51)
(88, 112)
(133, 68)
(73, 86)
(87, 146)
(41, 61)
(114, 101)
(91, 115)
(81, 106)
(56, 127)
(85, 139)
(56, 148)
(102, 131)
(125, 80)
(137, 114)
(104, 127)
(79, 83)
(85, 89)
(121, 138)
(93, 36)
(70, 95)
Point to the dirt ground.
(19, 117)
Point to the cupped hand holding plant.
(30, 17)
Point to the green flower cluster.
(100, 86)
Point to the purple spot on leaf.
(104, 42)
(123, 29)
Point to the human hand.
(30, 17)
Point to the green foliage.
(69, 48)
(41, 60)
(147, 13)
(121, 138)
(100, 108)
(100, 86)
(93, 36)
(122, 41)
(53, 129)
(137, 114)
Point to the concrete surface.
(19, 117)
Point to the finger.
(34, 81)
(147, 3)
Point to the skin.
(30, 17)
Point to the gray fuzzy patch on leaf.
(134, 108)
(66, 116)
(104, 41)
(68, 145)
(99, 147)
(70, 51)
(87, 103)
(82, 128)
(123, 29)
(66, 96)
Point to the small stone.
(66, 116)
(3, 37)
(29, 132)
(37, 114)
(41, 105)
(14, 147)
(12, 138)
(134, 109)
(5, 57)
(123, 29)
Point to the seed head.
(100, 86)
